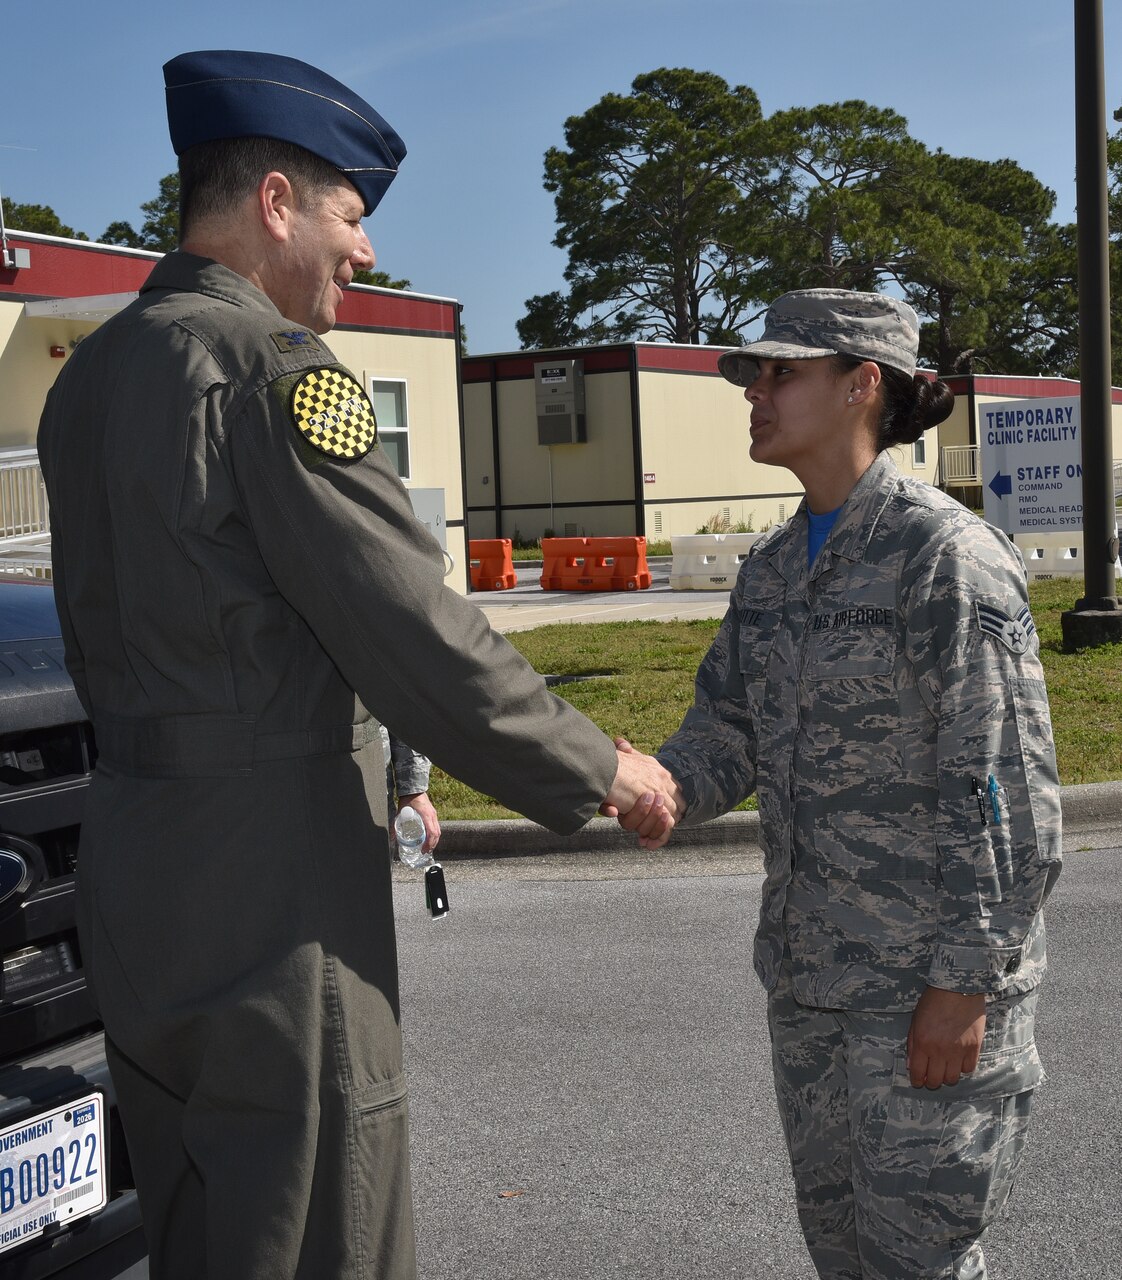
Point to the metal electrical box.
(428, 507)
(559, 400)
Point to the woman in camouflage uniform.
(877, 682)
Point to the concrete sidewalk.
(526, 605)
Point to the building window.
(391, 412)
(919, 453)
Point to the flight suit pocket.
(380, 1183)
(955, 1151)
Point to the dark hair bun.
(912, 406)
(934, 402)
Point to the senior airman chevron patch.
(1014, 633)
(332, 412)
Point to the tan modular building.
(404, 346)
(639, 438)
(634, 438)
(649, 439)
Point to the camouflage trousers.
(893, 1182)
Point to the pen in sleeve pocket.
(993, 789)
(976, 790)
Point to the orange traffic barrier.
(594, 564)
(491, 566)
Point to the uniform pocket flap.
(1000, 1073)
(378, 1094)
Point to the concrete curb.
(1089, 809)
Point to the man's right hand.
(644, 797)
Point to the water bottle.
(410, 831)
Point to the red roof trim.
(67, 269)
(655, 357)
(74, 269)
(1012, 387)
(390, 311)
(505, 368)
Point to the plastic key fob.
(436, 894)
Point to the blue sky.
(479, 89)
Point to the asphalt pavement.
(588, 1058)
(591, 1095)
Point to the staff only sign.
(1032, 474)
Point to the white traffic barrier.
(1054, 555)
(708, 561)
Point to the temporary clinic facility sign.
(1032, 475)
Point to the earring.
(850, 400)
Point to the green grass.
(1084, 690)
(648, 670)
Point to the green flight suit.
(239, 575)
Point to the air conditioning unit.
(559, 401)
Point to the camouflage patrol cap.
(807, 323)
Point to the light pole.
(1097, 617)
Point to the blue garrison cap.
(227, 93)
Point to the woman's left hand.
(945, 1037)
(427, 813)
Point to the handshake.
(645, 796)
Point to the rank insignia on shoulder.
(1014, 633)
(332, 412)
(296, 340)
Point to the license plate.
(53, 1169)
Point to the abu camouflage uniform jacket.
(862, 698)
(407, 771)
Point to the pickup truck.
(68, 1208)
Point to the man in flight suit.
(239, 576)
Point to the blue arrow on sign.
(1002, 484)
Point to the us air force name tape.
(332, 412)
(231, 93)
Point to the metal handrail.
(960, 464)
(23, 499)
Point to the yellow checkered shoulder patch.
(332, 412)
